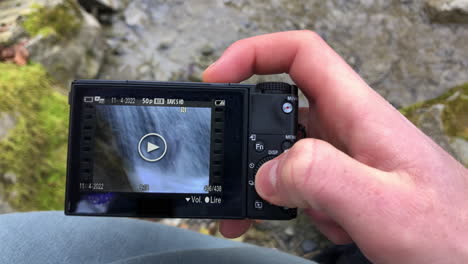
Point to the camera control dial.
(274, 88)
(261, 162)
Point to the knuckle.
(233, 46)
(298, 163)
(238, 43)
(309, 166)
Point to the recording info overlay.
(157, 149)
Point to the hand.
(367, 174)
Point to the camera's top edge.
(265, 87)
(164, 83)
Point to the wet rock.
(164, 45)
(101, 9)
(10, 16)
(103, 6)
(7, 122)
(289, 231)
(58, 34)
(277, 234)
(390, 43)
(308, 246)
(171, 222)
(5, 207)
(207, 50)
(9, 177)
(448, 11)
(115, 4)
(460, 148)
(77, 58)
(136, 17)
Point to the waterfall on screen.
(185, 166)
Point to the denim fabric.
(51, 237)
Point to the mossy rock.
(59, 34)
(445, 119)
(35, 149)
(62, 20)
(455, 113)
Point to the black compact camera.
(165, 149)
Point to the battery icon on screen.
(88, 99)
(220, 102)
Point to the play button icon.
(156, 147)
(151, 147)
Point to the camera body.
(166, 149)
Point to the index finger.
(353, 115)
(313, 65)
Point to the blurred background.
(412, 52)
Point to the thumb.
(314, 174)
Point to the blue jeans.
(51, 237)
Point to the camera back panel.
(273, 129)
(162, 149)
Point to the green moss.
(35, 150)
(62, 20)
(455, 113)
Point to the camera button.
(286, 145)
(258, 205)
(259, 146)
(287, 108)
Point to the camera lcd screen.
(155, 149)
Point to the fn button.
(259, 146)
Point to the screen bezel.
(166, 205)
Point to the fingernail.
(273, 176)
(268, 183)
